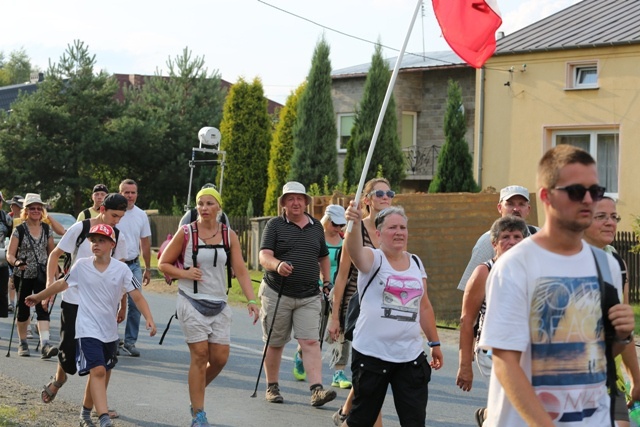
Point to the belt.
(132, 261)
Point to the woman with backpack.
(29, 248)
(201, 306)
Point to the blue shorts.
(91, 353)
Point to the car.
(65, 220)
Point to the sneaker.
(131, 350)
(86, 423)
(10, 308)
(340, 380)
(48, 351)
(298, 368)
(273, 394)
(338, 418)
(23, 350)
(200, 420)
(320, 396)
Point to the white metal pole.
(383, 110)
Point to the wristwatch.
(625, 341)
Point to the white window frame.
(339, 127)
(593, 147)
(574, 71)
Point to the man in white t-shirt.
(135, 227)
(544, 319)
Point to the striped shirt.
(302, 247)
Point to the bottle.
(634, 409)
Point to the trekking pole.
(266, 345)
(15, 312)
(325, 317)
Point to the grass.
(7, 414)
(636, 315)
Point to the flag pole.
(383, 110)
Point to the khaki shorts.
(302, 315)
(197, 327)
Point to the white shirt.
(135, 226)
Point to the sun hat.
(100, 187)
(1, 197)
(513, 190)
(16, 200)
(293, 187)
(32, 198)
(335, 213)
(211, 192)
(115, 201)
(102, 230)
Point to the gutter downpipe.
(481, 127)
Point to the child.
(101, 281)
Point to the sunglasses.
(336, 225)
(576, 192)
(603, 217)
(34, 208)
(381, 193)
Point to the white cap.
(513, 190)
(336, 214)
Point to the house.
(8, 94)
(571, 78)
(420, 94)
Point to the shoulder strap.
(370, 280)
(21, 230)
(45, 227)
(194, 250)
(227, 250)
(532, 230)
(193, 215)
(602, 265)
(86, 213)
(415, 259)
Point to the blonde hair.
(24, 213)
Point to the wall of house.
(520, 106)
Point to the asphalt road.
(152, 390)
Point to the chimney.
(499, 35)
(36, 77)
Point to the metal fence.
(623, 243)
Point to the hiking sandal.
(112, 414)
(49, 396)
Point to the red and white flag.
(469, 26)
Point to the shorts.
(92, 353)
(67, 347)
(409, 382)
(302, 315)
(197, 327)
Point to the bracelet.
(278, 266)
(433, 344)
(251, 301)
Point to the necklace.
(212, 236)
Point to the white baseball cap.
(513, 190)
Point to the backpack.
(86, 226)
(7, 220)
(86, 213)
(22, 228)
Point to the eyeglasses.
(602, 217)
(381, 193)
(576, 192)
(336, 225)
(34, 208)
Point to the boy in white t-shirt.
(101, 282)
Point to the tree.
(388, 153)
(246, 135)
(161, 127)
(56, 141)
(17, 69)
(281, 151)
(455, 164)
(314, 134)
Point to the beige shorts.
(198, 328)
(302, 315)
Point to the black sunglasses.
(336, 225)
(576, 192)
(380, 193)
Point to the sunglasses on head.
(381, 193)
(576, 192)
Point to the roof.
(8, 94)
(590, 23)
(442, 59)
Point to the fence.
(623, 243)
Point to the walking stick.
(266, 345)
(325, 317)
(15, 312)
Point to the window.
(582, 75)
(603, 145)
(408, 130)
(345, 123)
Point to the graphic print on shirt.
(401, 298)
(568, 363)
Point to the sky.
(237, 38)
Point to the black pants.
(28, 287)
(67, 347)
(4, 289)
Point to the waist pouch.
(205, 307)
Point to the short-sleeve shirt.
(135, 226)
(100, 293)
(302, 247)
(92, 214)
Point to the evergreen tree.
(161, 127)
(314, 135)
(455, 164)
(388, 153)
(17, 69)
(281, 151)
(246, 135)
(57, 140)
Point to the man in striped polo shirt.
(294, 254)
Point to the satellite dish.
(209, 136)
